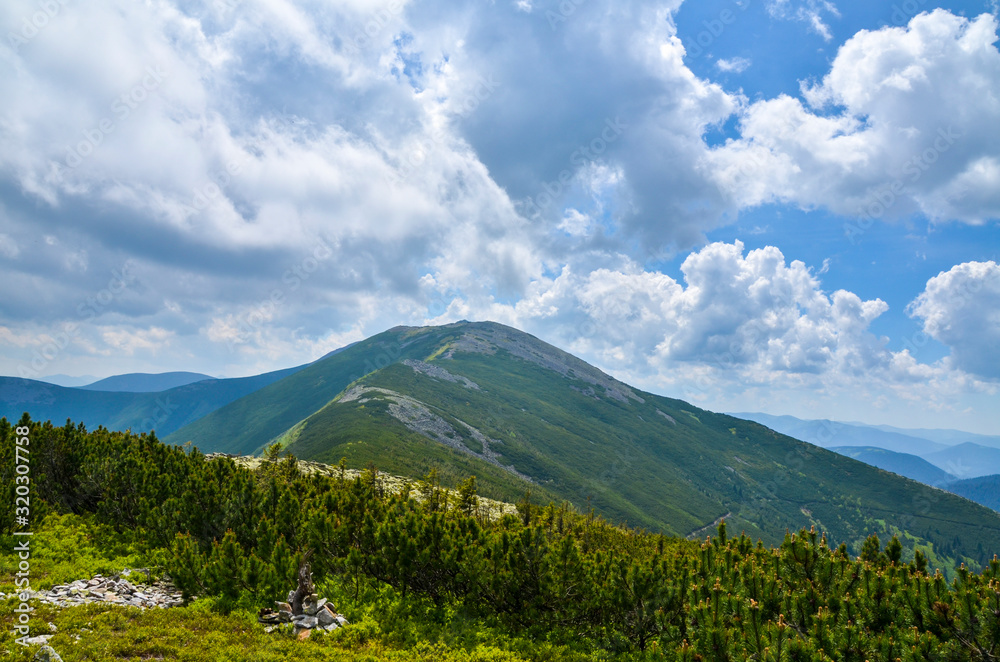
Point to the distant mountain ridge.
(141, 382)
(162, 411)
(903, 464)
(829, 434)
(68, 381)
(967, 460)
(948, 437)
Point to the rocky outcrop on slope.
(389, 483)
(437, 372)
(418, 417)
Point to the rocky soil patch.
(667, 416)
(113, 590)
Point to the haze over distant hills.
(68, 381)
(140, 382)
(904, 464)
(137, 401)
(162, 411)
(949, 437)
(949, 450)
(967, 460)
(830, 434)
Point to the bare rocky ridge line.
(417, 417)
(391, 484)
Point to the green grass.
(197, 633)
(69, 547)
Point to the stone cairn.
(303, 610)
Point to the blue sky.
(788, 206)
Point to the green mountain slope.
(164, 412)
(904, 464)
(485, 399)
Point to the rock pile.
(304, 610)
(114, 590)
(317, 614)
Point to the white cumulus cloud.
(904, 122)
(961, 308)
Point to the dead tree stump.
(305, 587)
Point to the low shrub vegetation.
(434, 580)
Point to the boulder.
(325, 616)
(46, 654)
(305, 621)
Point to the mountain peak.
(489, 337)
